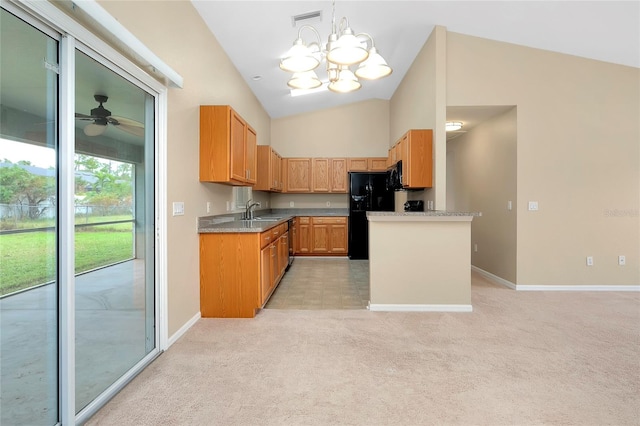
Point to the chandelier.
(343, 50)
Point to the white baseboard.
(521, 287)
(388, 307)
(578, 288)
(494, 278)
(178, 334)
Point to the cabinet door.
(284, 252)
(251, 146)
(273, 175)
(265, 274)
(338, 171)
(377, 164)
(321, 175)
(298, 175)
(339, 238)
(320, 238)
(275, 271)
(419, 153)
(358, 164)
(304, 235)
(238, 131)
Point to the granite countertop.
(425, 213)
(232, 223)
(426, 216)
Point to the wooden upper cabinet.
(227, 147)
(251, 143)
(338, 170)
(377, 164)
(417, 158)
(269, 175)
(297, 174)
(357, 164)
(372, 164)
(276, 167)
(329, 174)
(321, 168)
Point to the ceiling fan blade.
(84, 116)
(134, 130)
(127, 121)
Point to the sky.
(38, 156)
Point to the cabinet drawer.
(304, 220)
(329, 220)
(266, 238)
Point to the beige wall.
(577, 155)
(355, 130)
(420, 103)
(481, 177)
(176, 33)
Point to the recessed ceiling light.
(452, 126)
(256, 77)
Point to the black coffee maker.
(414, 206)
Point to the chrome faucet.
(248, 213)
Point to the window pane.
(114, 232)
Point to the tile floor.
(323, 283)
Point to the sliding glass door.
(78, 293)
(114, 227)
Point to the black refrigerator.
(367, 192)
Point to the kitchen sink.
(263, 219)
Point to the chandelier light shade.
(300, 58)
(342, 50)
(373, 67)
(304, 80)
(347, 50)
(346, 82)
(452, 126)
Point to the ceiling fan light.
(300, 58)
(373, 67)
(304, 80)
(347, 82)
(347, 50)
(452, 126)
(93, 129)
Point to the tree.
(19, 186)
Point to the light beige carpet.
(521, 358)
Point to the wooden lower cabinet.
(302, 243)
(322, 235)
(240, 271)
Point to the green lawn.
(28, 259)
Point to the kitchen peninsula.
(420, 261)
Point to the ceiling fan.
(101, 117)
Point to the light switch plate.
(178, 208)
(533, 205)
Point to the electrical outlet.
(475, 248)
(291, 203)
(533, 205)
(208, 207)
(589, 260)
(509, 205)
(328, 203)
(622, 260)
(228, 206)
(266, 204)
